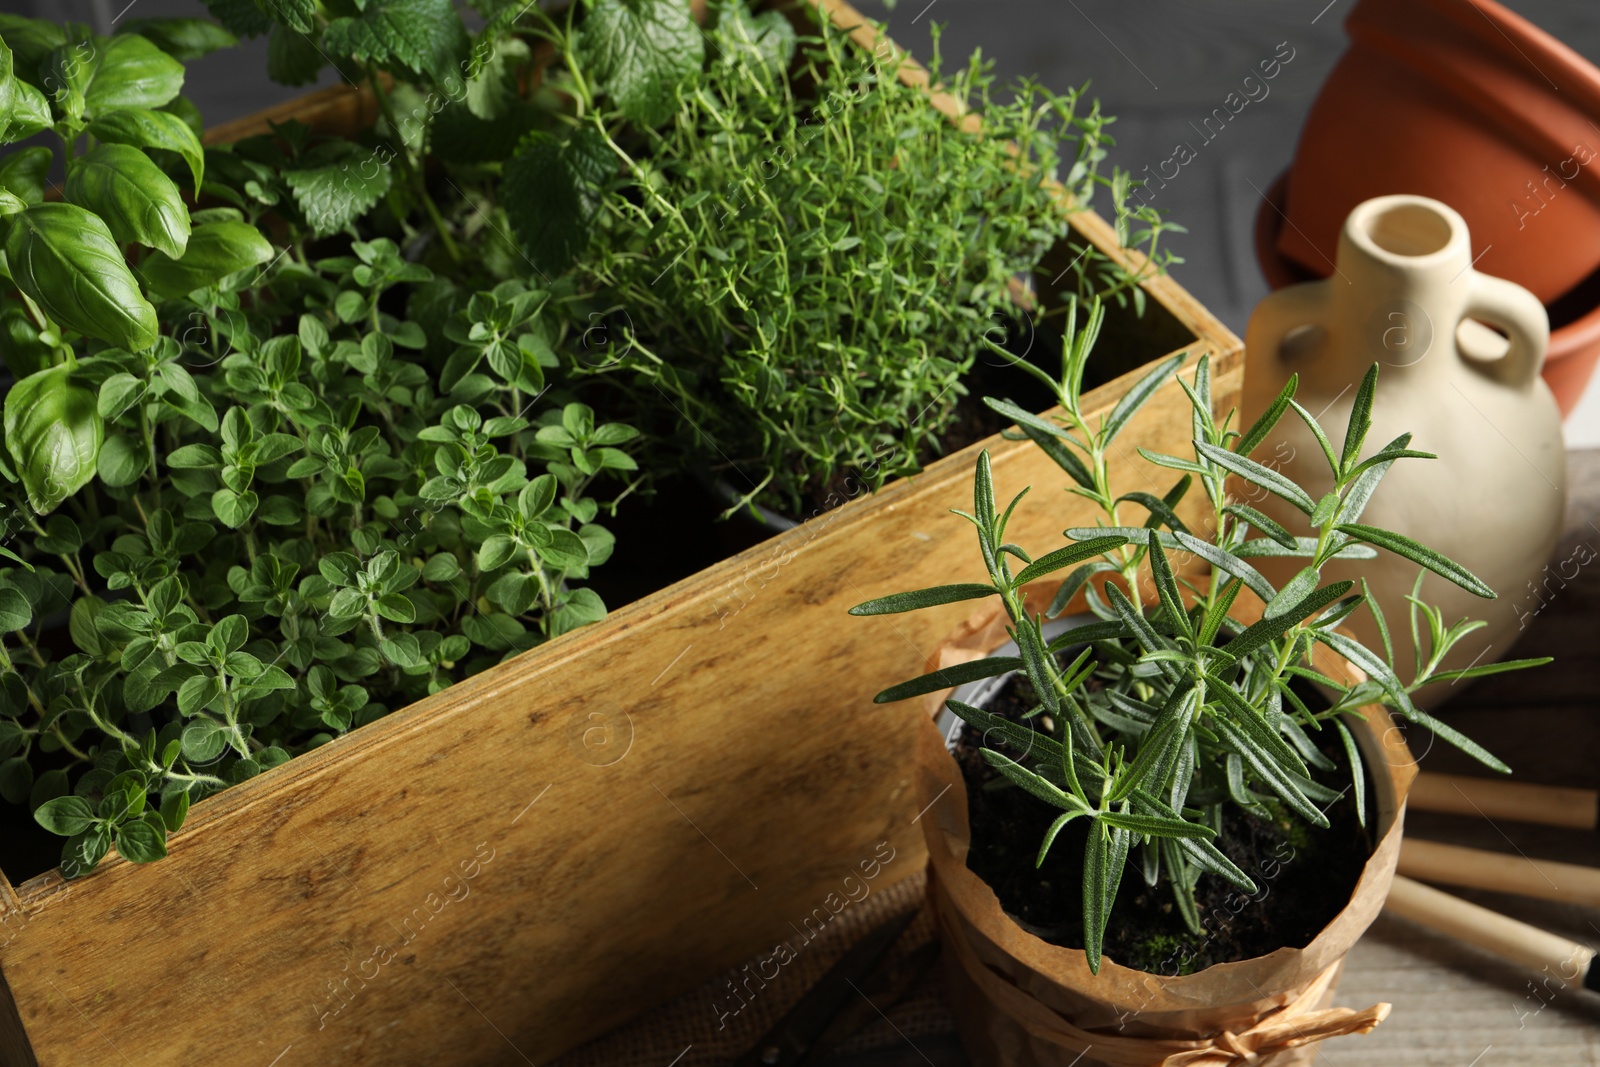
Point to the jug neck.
(1401, 287)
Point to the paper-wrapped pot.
(1020, 1001)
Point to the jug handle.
(1279, 314)
(1519, 313)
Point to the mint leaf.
(641, 52)
(298, 15)
(423, 36)
(768, 37)
(241, 17)
(292, 57)
(343, 183)
(551, 191)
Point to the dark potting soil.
(1304, 875)
(676, 530)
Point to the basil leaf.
(215, 251)
(25, 171)
(138, 202)
(31, 41)
(130, 71)
(181, 38)
(23, 108)
(66, 73)
(54, 432)
(66, 259)
(143, 127)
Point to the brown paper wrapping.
(1021, 1002)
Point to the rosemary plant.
(1191, 709)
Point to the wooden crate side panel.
(482, 857)
(14, 1048)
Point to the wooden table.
(1453, 1006)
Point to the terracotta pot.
(1574, 347)
(1022, 1002)
(1470, 104)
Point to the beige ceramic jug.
(1404, 295)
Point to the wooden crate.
(508, 868)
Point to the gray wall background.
(1158, 65)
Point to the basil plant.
(131, 148)
(1193, 708)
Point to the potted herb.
(1172, 731)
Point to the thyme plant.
(1190, 708)
(810, 255)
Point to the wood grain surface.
(751, 773)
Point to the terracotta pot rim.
(1499, 29)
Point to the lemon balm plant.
(1164, 709)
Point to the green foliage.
(421, 36)
(1191, 708)
(643, 53)
(329, 443)
(65, 260)
(54, 432)
(290, 485)
(809, 253)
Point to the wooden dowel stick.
(1536, 949)
(1547, 805)
(1501, 872)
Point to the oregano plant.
(271, 475)
(1163, 709)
